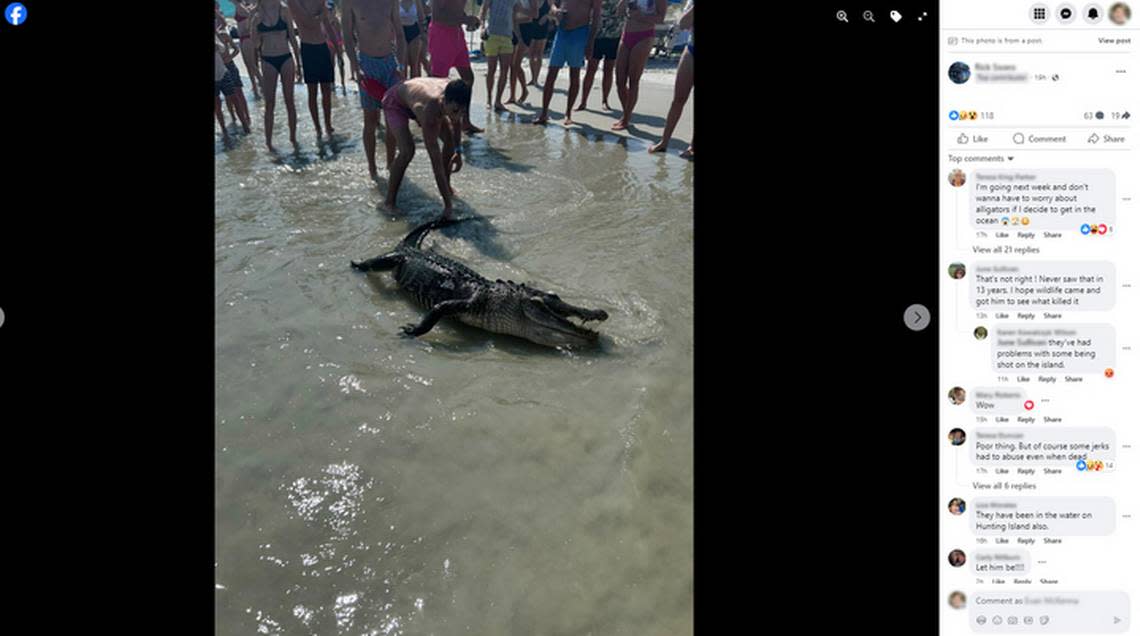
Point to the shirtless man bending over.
(439, 106)
(373, 25)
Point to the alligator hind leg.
(440, 310)
(386, 261)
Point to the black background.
(816, 210)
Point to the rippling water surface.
(462, 483)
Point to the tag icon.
(896, 16)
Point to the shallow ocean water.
(462, 483)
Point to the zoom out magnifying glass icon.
(868, 16)
(841, 16)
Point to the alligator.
(447, 288)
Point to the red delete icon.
(1029, 405)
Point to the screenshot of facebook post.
(1040, 321)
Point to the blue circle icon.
(1081, 465)
(15, 14)
(953, 115)
(1085, 229)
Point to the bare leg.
(407, 148)
(389, 147)
(637, 59)
(517, 74)
(469, 77)
(270, 87)
(621, 67)
(574, 73)
(414, 56)
(220, 118)
(248, 56)
(548, 92)
(607, 82)
(591, 68)
(490, 79)
(682, 87)
(371, 120)
(504, 75)
(313, 108)
(288, 79)
(326, 103)
(243, 110)
(536, 49)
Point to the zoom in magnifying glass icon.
(841, 16)
(868, 16)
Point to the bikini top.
(280, 26)
(409, 16)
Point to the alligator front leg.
(440, 310)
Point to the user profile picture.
(957, 558)
(957, 178)
(957, 395)
(957, 271)
(957, 600)
(1120, 13)
(957, 437)
(959, 72)
(957, 506)
(980, 333)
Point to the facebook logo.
(15, 14)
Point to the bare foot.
(687, 153)
(390, 206)
(567, 122)
(581, 106)
(606, 105)
(658, 147)
(511, 101)
(373, 175)
(270, 147)
(329, 130)
(541, 120)
(525, 93)
(245, 129)
(621, 125)
(472, 129)
(499, 108)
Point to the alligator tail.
(416, 236)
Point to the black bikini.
(276, 60)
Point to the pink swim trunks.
(396, 114)
(447, 48)
(630, 40)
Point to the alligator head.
(546, 321)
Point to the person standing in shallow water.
(412, 16)
(682, 87)
(448, 47)
(605, 48)
(242, 12)
(374, 25)
(573, 43)
(502, 36)
(231, 83)
(273, 40)
(314, 24)
(633, 51)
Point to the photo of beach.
(376, 478)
